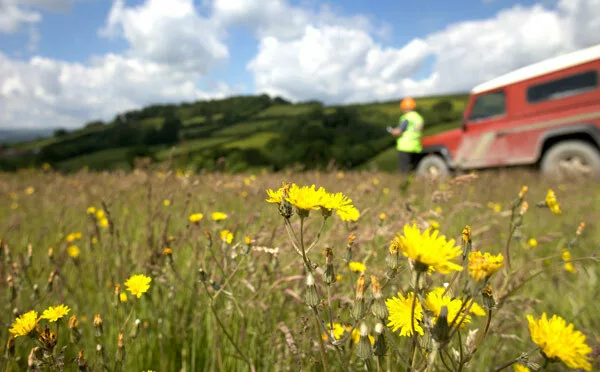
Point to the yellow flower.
(382, 217)
(355, 337)
(218, 216)
(14, 205)
(532, 243)
(428, 249)
(357, 267)
(24, 324)
(559, 341)
(54, 313)
(340, 203)
(338, 331)
(167, 251)
(248, 240)
(196, 217)
(91, 210)
(476, 309)
(166, 202)
(226, 236)
(386, 190)
(123, 297)
(482, 266)
(30, 190)
(340, 175)
(100, 213)
(438, 210)
(103, 222)
(434, 224)
(552, 203)
(497, 207)
(275, 196)
(73, 251)
(566, 256)
(400, 310)
(305, 198)
(434, 302)
(138, 284)
(520, 368)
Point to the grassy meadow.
(232, 294)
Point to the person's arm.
(400, 128)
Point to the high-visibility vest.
(410, 140)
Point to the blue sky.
(108, 56)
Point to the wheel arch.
(440, 150)
(588, 133)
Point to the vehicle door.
(481, 146)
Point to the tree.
(60, 132)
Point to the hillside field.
(238, 134)
(232, 291)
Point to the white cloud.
(345, 64)
(12, 16)
(45, 92)
(168, 32)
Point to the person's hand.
(396, 132)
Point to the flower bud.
(329, 275)
(364, 349)
(379, 348)
(310, 296)
(441, 329)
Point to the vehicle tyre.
(432, 166)
(571, 158)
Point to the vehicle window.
(563, 87)
(488, 105)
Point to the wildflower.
(73, 251)
(305, 198)
(363, 348)
(378, 307)
(482, 266)
(559, 341)
(30, 190)
(100, 214)
(340, 203)
(357, 267)
(523, 192)
(580, 228)
(91, 210)
(54, 313)
(532, 243)
(386, 190)
(48, 339)
(248, 240)
(520, 368)
(122, 297)
(24, 324)
(336, 332)
(166, 202)
(167, 251)
(311, 297)
(429, 250)
(196, 217)
(340, 175)
(226, 236)
(552, 203)
(488, 297)
(400, 310)
(435, 300)
(103, 222)
(275, 196)
(218, 216)
(566, 256)
(434, 224)
(382, 217)
(138, 284)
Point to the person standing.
(409, 133)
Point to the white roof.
(541, 68)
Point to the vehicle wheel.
(571, 159)
(432, 166)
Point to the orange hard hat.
(408, 104)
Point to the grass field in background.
(216, 304)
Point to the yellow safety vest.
(410, 140)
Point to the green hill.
(238, 133)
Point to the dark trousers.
(405, 161)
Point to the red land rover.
(545, 115)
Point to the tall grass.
(240, 305)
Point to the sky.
(67, 62)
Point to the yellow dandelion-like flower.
(73, 251)
(14, 205)
(497, 207)
(532, 243)
(429, 250)
(566, 257)
(275, 196)
(54, 313)
(166, 202)
(552, 203)
(476, 309)
(386, 190)
(196, 217)
(100, 213)
(305, 198)
(24, 324)
(91, 210)
(338, 331)
(355, 337)
(434, 224)
(434, 301)
(557, 340)
(340, 203)
(400, 309)
(340, 175)
(218, 216)
(520, 368)
(226, 236)
(94, 240)
(357, 267)
(482, 266)
(30, 190)
(138, 284)
(103, 222)
(123, 297)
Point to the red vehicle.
(545, 115)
